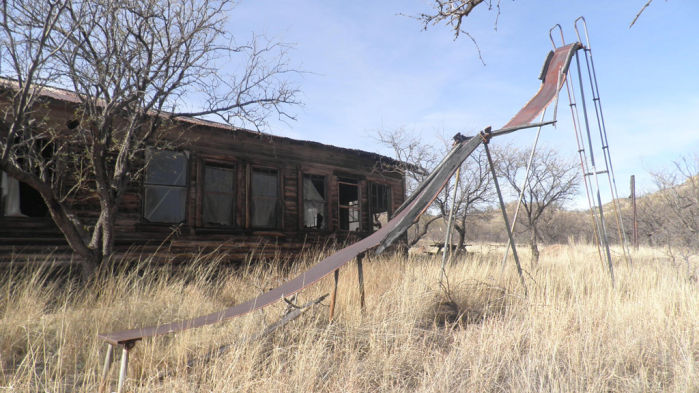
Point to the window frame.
(146, 184)
(233, 168)
(372, 202)
(278, 203)
(326, 209)
(348, 181)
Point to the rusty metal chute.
(554, 73)
(413, 207)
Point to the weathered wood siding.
(243, 150)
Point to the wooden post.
(334, 294)
(107, 366)
(360, 277)
(633, 204)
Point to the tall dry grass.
(573, 333)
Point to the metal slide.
(553, 75)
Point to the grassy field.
(573, 333)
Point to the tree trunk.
(534, 248)
(461, 244)
(108, 229)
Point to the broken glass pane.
(348, 196)
(314, 201)
(348, 193)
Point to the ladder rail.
(584, 166)
(594, 88)
(581, 149)
(603, 235)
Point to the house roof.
(72, 97)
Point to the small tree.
(419, 159)
(415, 160)
(552, 181)
(475, 189)
(135, 66)
(676, 208)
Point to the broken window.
(264, 195)
(218, 205)
(314, 206)
(165, 186)
(10, 196)
(18, 199)
(380, 204)
(348, 198)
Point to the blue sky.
(368, 67)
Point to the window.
(380, 203)
(218, 205)
(18, 199)
(10, 196)
(348, 198)
(264, 195)
(314, 215)
(165, 186)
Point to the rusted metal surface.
(549, 87)
(405, 215)
(384, 236)
(312, 275)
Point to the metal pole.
(504, 212)
(105, 370)
(124, 366)
(603, 236)
(447, 237)
(521, 191)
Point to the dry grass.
(574, 333)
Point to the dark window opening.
(218, 205)
(380, 204)
(165, 187)
(348, 198)
(314, 205)
(264, 195)
(18, 199)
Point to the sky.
(368, 66)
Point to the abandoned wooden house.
(225, 188)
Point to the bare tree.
(475, 190)
(134, 66)
(552, 181)
(676, 207)
(453, 12)
(638, 15)
(415, 160)
(418, 159)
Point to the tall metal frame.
(592, 168)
